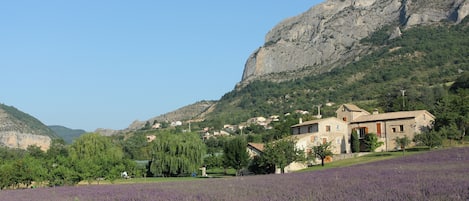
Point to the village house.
(315, 132)
(255, 149)
(387, 126)
(337, 130)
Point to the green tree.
(136, 147)
(462, 82)
(322, 151)
(235, 154)
(61, 169)
(452, 114)
(176, 154)
(281, 153)
(355, 145)
(371, 142)
(35, 151)
(259, 166)
(402, 142)
(213, 161)
(95, 156)
(429, 138)
(451, 132)
(22, 172)
(7, 171)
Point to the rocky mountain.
(67, 134)
(329, 53)
(19, 130)
(328, 35)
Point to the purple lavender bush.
(435, 175)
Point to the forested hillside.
(67, 134)
(424, 61)
(12, 119)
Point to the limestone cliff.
(328, 35)
(19, 130)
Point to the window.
(310, 129)
(378, 129)
(324, 140)
(344, 118)
(328, 128)
(337, 127)
(398, 128)
(362, 131)
(299, 130)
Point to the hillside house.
(312, 133)
(255, 149)
(387, 126)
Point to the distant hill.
(19, 129)
(198, 109)
(67, 134)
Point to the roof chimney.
(375, 111)
(301, 120)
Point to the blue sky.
(103, 64)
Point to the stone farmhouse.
(387, 126)
(312, 133)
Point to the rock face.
(18, 140)
(19, 130)
(329, 34)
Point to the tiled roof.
(312, 122)
(390, 116)
(258, 146)
(353, 107)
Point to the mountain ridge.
(328, 35)
(67, 134)
(20, 130)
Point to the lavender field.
(436, 175)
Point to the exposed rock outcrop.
(329, 34)
(18, 140)
(20, 130)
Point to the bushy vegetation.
(435, 175)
